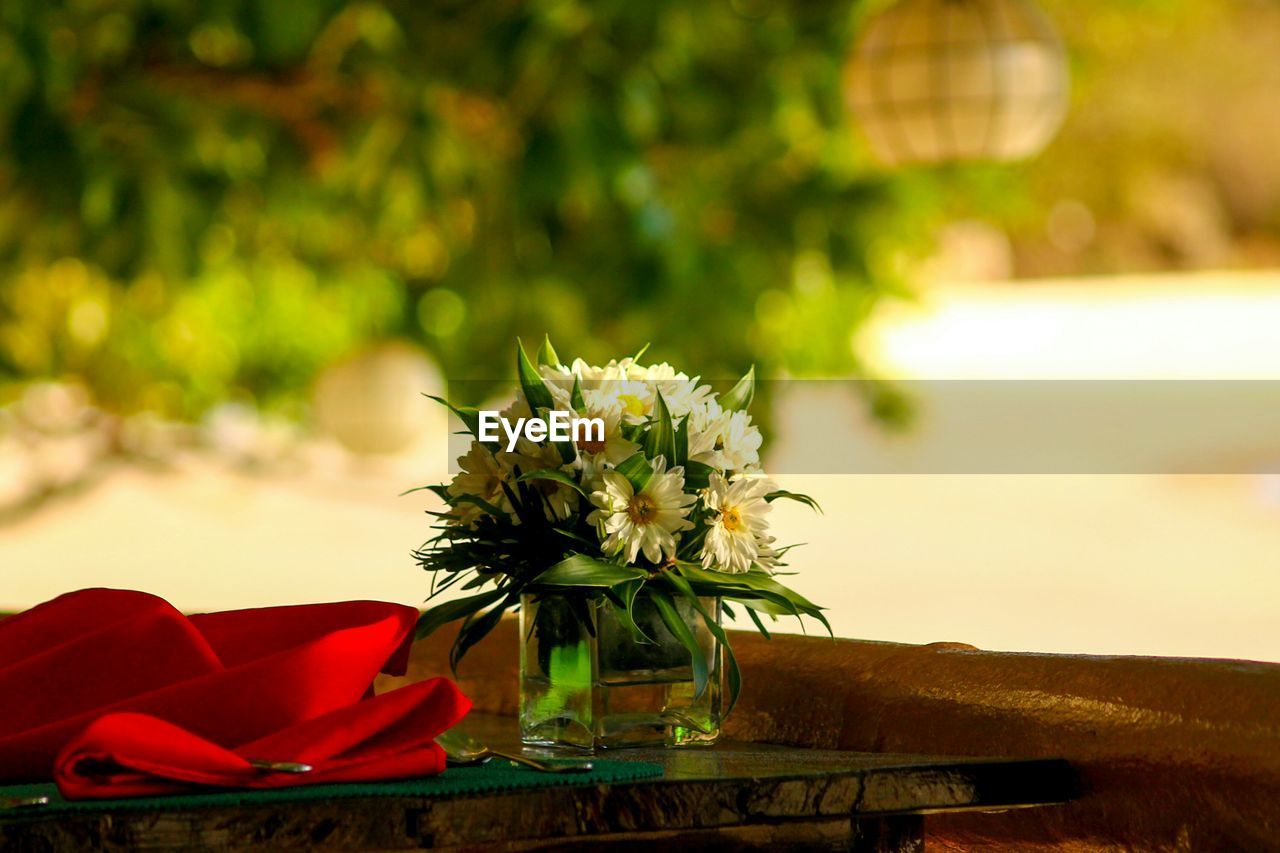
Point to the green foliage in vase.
(666, 503)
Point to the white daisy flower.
(632, 397)
(739, 442)
(481, 476)
(680, 392)
(646, 521)
(592, 375)
(768, 557)
(559, 381)
(518, 409)
(739, 528)
(684, 395)
(605, 387)
(706, 424)
(594, 454)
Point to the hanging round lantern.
(937, 80)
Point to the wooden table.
(731, 796)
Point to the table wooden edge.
(888, 798)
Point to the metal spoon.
(280, 766)
(462, 751)
(23, 802)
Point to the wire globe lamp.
(932, 81)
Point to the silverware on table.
(463, 751)
(23, 802)
(280, 766)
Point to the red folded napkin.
(389, 737)
(152, 681)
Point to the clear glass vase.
(586, 692)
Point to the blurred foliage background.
(212, 201)
(208, 200)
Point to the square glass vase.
(585, 691)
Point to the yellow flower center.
(633, 404)
(731, 518)
(642, 509)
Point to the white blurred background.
(1132, 564)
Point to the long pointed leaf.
(793, 496)
(477, 626)
(660, 440)
(623, 597)
(535, 390)
(732, 675)
(547, 353)
(636, 469)
(478, 501)
(740, 395)
(697, 475)
(755, 617)
(680, 630)
(581, 570)
(567, 451)
(750, 585)
(469, 415)
(448, 611)
(555, 475)
(682, 443)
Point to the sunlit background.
(237, 240)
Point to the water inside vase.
(589, 690)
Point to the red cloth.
(125, 678)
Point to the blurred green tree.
(203, 200)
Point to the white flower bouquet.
(659, 498)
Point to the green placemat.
(495, 776)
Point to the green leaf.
(697, 475)
(758, 579)
(682, 443)
(469, 415)
(660, 440)
(692, 541)
(439, 489)
(732, 675)
(568, 452)
(582, 612)
(636, 469)
(575, 396)
(477, 626)
(793, 496)
(623, 597)
(765, 602)
(527, 507)
(569, 534)
(581, 570)
(755, 617)
(547, 353)
(478, 501)
(553, 474)
(535, 390)
(449, 611)
(740, 395)
(754, 585)
(680, 630)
